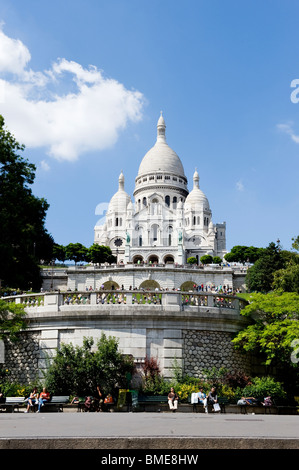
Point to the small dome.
(121, 199)
(196, 198)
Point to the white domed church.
(166, 223)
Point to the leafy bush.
(206, 259)
(263, 387)
(14, 389)
(237, 379)
(157, 386)
(192, 260)
(78, 370)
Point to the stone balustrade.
(180, 300)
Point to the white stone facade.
(166, 223)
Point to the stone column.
(48, 344)
(173, 351)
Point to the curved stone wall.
(195, 329)
(203, 350)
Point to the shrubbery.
(78, 370)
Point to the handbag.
(108, 399)
(216, 407)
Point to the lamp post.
(52, 262)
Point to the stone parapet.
(189, 330)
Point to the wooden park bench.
(256, 404)
(56, 401)
(144, 400)
(223, 401)
(12, 404)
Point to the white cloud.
(240, 186)
(288, 129)
(14, 55)
(69, 118)
(44, 165)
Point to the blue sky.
(82, 84)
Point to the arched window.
(154, 233)
(169, 230)
(144, 201)
(174, 202)
(116, 222)
(167, 201)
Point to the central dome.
(161, 157)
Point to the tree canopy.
(260, 276)
(273, 328)
(12, 319)
(78, 370)
(24, 240)
(243, 254)
(79, 253)
(206, 259)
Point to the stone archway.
(187, 286)
(152, 259)
(150, 284)
(137, 259)
(168, 259)
(110, 285)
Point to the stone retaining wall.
(21, 358)
(208, 349)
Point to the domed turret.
(196, 199)
(121, 199)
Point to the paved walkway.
(147, 431)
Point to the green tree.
(24, 241)
(59, 252)
(100, 254)
(78, 370)
(287, 279)
(217, 260)
(192, 260)
(243, 254)
(76, 252)
(12, 319)
(273, 328)
(260, 276)
(295, 244)
(206, 259)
